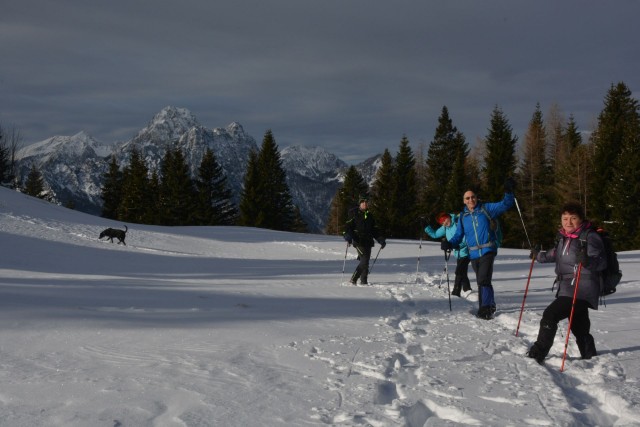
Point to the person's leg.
(580, 327)
(457, 284)
(365, 256)
(558, 310)
(462, 269)
(483, 267)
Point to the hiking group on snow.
(474, 236)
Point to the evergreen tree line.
(169, 196)
(554, 166)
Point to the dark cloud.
(351, 76)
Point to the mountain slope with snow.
(213, 326)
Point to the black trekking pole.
(375, 259)
(526, 289)
(344, 264)
(447, 254)
(419, 247)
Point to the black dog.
(112, 233)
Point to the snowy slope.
(227, 326)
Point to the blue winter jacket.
(448, 232)
(476, 226)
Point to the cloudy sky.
(352, 76)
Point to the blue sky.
(350, 76)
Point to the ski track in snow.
(405, 385)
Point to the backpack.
(495, 227)
(610, 276)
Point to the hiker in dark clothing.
(474, 226)
(568, 253)
(360, 231)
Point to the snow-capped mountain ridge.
(73, 166)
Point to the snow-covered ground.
(228, 326)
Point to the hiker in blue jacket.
(447, 230)
(474, 225)
(570, 251)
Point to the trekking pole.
(447, 254)
(374, 261)
(526, 289)
(344, 264)
(573, 306)
(523, 226)
(419, 248)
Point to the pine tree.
(177, 193)
(266, 182)
(345, 200)
(382, 194)
(443, 151)
(403, 204)
(499, 164)
(250, 212)
(570, 166)
(34, 186)
(621, 121)
(111, 191)
(135, 190)
(214, 198)
(614, 133)
(536, 183)
(500, 156)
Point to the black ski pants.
(462, 277)
(558, 310)
(362, 270)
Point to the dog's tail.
(125, 229)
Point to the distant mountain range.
(73, 167)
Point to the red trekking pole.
(573, 306)
(526, 289)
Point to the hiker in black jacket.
(360, 231)
(568, 253)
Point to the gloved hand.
(534, 252)
(429, 230)
(446, 245)
(348, 238)
(509, 185)
(583, 257)
(383, 243)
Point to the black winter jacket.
(361, 227)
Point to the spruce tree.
(570, 166)
(500, 156)
(177, 193)
(111, 193)
(345, 200)
(447, 144)
(135, 190)
(614, 134)
(499, 164)
(403, 203)
(214, 198)
(382, 193)
(275, 197)
(266, 200)
(250, 212)
(536, 185)
(623, 188)
(34, 186)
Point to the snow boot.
(485, 312)
(535, 352)
(587, 346)
(456, 290)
